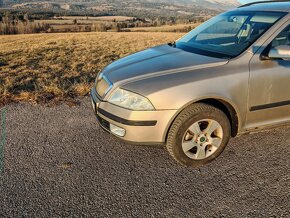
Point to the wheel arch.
(224, 105)
(228, 109)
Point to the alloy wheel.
(202, 139)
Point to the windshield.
(229, 34)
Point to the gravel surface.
(58, 163)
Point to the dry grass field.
(166, 28)
(100, 18)
(84, 20)
(51, 68)
(83, 24)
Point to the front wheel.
(198, 135)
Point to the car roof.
(282, 6)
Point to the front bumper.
(143, 127)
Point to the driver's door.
(269, 85)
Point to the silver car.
(227, 77)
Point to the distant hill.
(212, 4)
(140, 8)
(218, 4)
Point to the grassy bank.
(50, 68)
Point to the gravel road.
(59, 163)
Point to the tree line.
(12, 24)
(26, 24)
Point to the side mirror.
(280, 52)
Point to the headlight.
(103, 85)
(130, 100)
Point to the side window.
(283, 38)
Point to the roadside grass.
(53, 68)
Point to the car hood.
(156, 61)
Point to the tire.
(193, 127)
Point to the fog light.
(117, 130)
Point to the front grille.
(103, 85)
(104, 123)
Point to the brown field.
(86, 24)
(84, 20)
(50, 68)
(101, 18)
(56, 22)
(71, 21)
(166, 28)
(83, 23)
